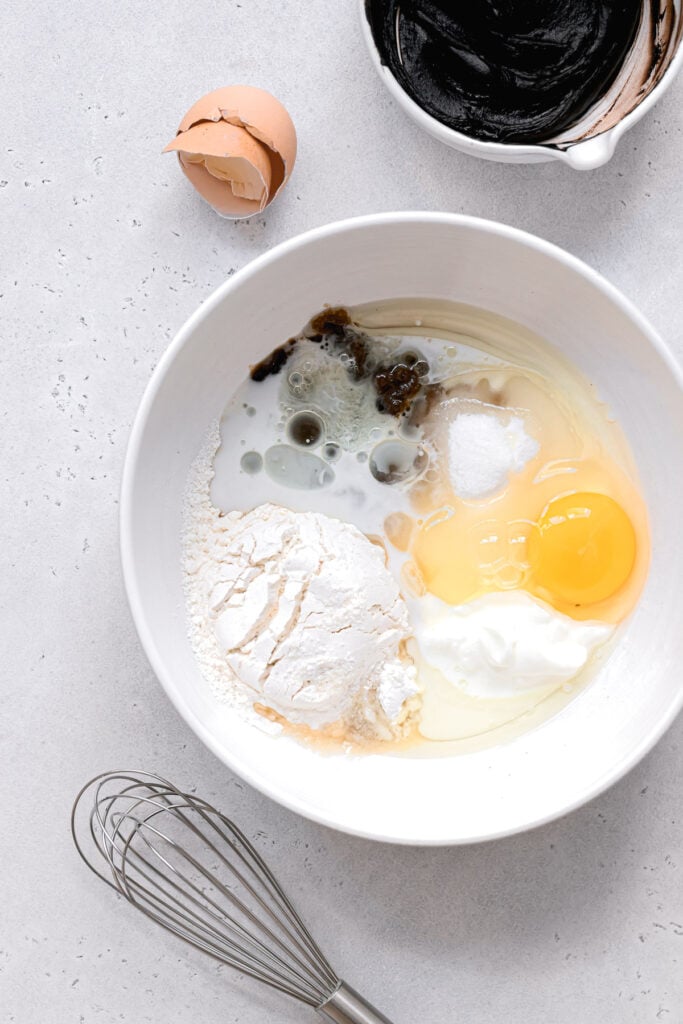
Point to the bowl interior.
(637, 691)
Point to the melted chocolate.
(517, 71)
(332, 320)
(396, 385)
(334, 323)
(397, 382)
(273, 363)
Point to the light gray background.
(105, 250)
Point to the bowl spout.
(591, 153)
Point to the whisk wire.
(241, 917)
(249, 857)
(301, 938)
(217, 915)
(176, 901)
(268, 882)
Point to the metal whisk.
(189, 868)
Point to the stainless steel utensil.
(190, 869)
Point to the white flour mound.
(295, 611)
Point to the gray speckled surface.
(104, 251)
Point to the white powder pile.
(296, 611)
(483, 450)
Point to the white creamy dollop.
(307, 616)
(503, 644)
(484, 449)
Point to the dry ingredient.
(483, 450)
(298, 610)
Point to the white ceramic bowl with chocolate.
(408, 41)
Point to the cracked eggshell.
(237, 145)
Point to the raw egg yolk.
(583, 549)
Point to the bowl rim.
(507, 151)
(271, 788)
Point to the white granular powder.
(296, 611)
(483, 450)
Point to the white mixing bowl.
(609, 726)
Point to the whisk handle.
(345, 1006)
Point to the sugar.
(483, 450)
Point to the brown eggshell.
(263, 119)
(218, 193)
(220, 139)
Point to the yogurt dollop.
(505, 643)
